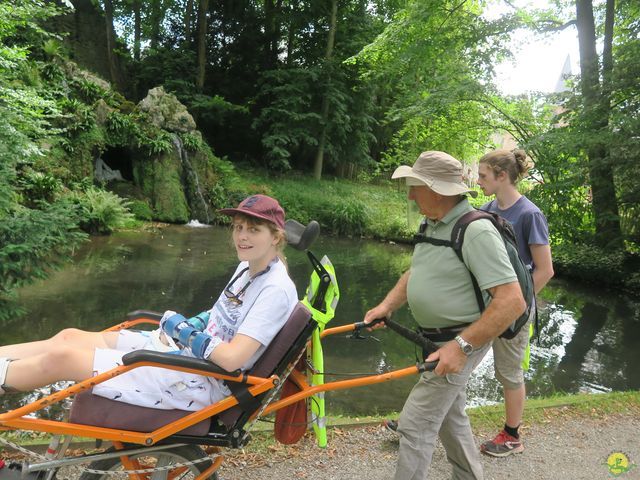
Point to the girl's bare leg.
(71, 337)
(58, 363)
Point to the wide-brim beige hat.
(437, 170)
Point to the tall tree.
(114, 64)
(324, 111)
(203, 8)
(156, 16)
(137, 29)
(595, 121)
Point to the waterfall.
(184, 158)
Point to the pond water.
(588, 340)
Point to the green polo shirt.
(440, 293)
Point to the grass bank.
(342, 207)
(537, 410)
(380, 211)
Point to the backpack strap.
(457, 239)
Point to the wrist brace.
(202, 345)
(199, 322)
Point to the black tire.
(184, 453)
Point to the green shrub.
(32, 243)
(588, 263)
(37, 186)
(347, 217)
(191, 141)
(141, 209)
(101, 212)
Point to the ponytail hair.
(515, 163)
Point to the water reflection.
(587, 342)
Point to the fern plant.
(101, 212)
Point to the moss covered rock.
(165, 111)
(161, 182)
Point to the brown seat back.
(283, 349)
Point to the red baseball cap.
(259, 206)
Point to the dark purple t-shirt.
(528, 222)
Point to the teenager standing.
(499, 172)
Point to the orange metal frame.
(17, 418)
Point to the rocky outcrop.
(165, 111)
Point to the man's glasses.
(235, 297)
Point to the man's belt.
(444, 334)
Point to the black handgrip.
(426, 344)
(375, 321)
(427, 366)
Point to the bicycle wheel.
(162, 458)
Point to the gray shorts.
(508, 356)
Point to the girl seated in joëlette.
(248, 314)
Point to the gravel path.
(571, 448)
(565, 446)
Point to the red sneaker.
(502, 446)
(391, 425)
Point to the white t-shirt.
(266, 305)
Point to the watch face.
(465, 346)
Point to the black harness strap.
(246, 401)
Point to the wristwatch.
(465, 346)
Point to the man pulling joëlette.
(439, 291)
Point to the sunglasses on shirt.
(236, 297)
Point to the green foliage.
(32, 242)
(340, 206)
(87, 90)
(213, 109)
(191, 141)
(433, 66)
(155, 141)
(101, 212)
(141, 209)
(75, 116)
(121, 129)
(289, 121)
(37, 187)
(593, 264)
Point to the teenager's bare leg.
(71, 337)
(514, 405)
(61, 362)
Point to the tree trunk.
(156, 21)
(137, 29)
(203, 7)
(596, 122)
(271, 34)
(114, 68)
(324, 113)
(290, 36)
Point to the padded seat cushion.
(90, 409)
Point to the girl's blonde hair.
(515, 163)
